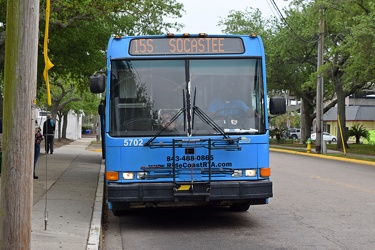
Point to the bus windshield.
(147, 96)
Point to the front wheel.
(118, 212)
(240, 207)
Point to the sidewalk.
(68, 195)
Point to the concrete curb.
(95, 234)
(323, 156)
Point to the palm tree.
(358, 131)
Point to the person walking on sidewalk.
(38, 140)
(48, 133)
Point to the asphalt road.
(317, 204)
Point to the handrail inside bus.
(132, 105)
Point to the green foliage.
(361, 43)
(86, 127)
(356, 151)
(291, 45)
(358, 131)
(79, 33)
(292, 118)
(286, 142)
(66, 97)
(249, 21)
(282, 132)
(80, 30)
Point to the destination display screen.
(186, 45)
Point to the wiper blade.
(181, 111)
(204, 117)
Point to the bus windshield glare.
(147, 96)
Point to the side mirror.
(97, 83)
(277, 106)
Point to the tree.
(358, 131)
(337, 56)
(79, 32)
(88, 105)
(80, 35)
(65, 97)
(291, 60)
(291, 49)
(291, 117)
(249, 21)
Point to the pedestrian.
(48, 133)
(38, 140)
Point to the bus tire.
(119, 213)
(240, 207)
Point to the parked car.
(326, 137)
(294, 133)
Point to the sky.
(204, 15)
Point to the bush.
(358, 131)
(86, 127)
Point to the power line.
(288, 25)
(272, 9)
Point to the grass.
(355, 151)
(362, 149)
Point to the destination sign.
(186, 45)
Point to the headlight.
(128, 176)
(250, 172)
(237, 173)
(141, 175)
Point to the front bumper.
(218, 193)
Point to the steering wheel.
(143, 124)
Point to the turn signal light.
(265, 172)
(111, 176)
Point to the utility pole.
(21, 55)
(320, 89)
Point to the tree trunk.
(342, 116)
(22, 27)
(306, 120)
(65, 125)
(59, 126)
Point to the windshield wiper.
(181, 111)
(204, 117)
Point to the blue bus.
(185, 121)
